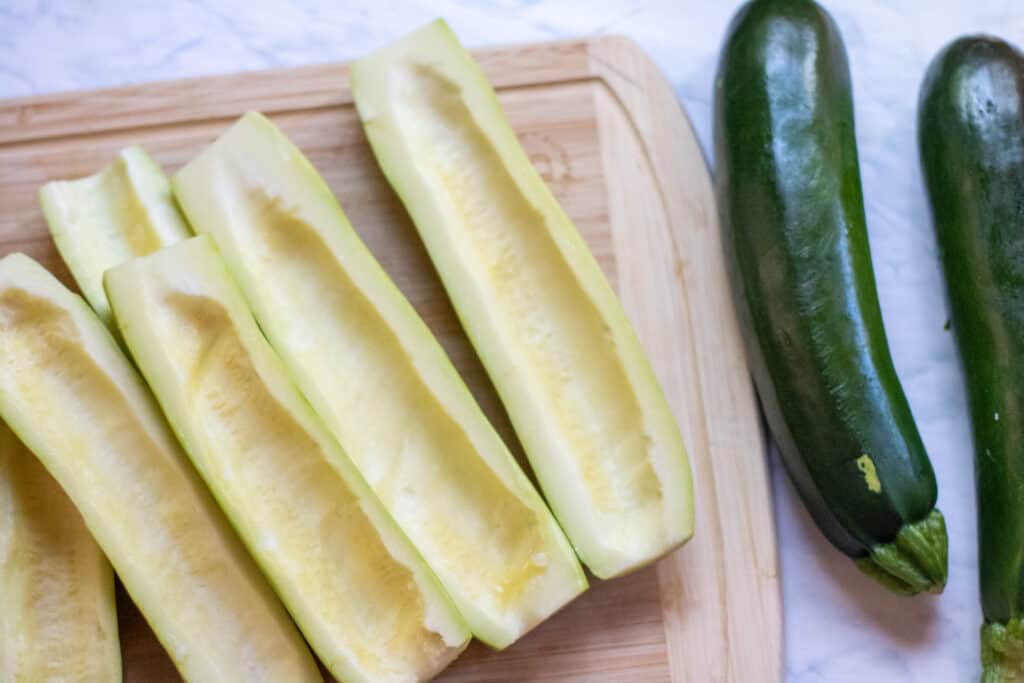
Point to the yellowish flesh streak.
(546, 322)
(118, 198)
(276, 477)
(154, 521)
(58, 621)
(426, 471)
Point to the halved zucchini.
(58, 621)
(68, 391)
(380, 381)
(101, 221)
(357, 589)
(547, 326)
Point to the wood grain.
(605, 130)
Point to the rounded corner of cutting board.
(708, 612)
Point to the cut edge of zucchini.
(99, 221)
(176, 497)
(147, 295)
(58, 585)
(427, 81)
(266, 207)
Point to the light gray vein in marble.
(840, 627)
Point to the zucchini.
(103, 220)
(58, 621)
(72, 396)
(554, 339)
(790, 201)
(971, 138)
(380, 380)
(356, 588)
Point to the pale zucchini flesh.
(552, 335)
(58, 622)
(356, 588)
(101, 221)
(73, 397)
(380, 380)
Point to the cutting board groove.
(605, 130)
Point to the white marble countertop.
(839, 626)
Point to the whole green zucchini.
(971, 137)
(789, 195)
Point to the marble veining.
(839, 626)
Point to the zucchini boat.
(971, 137)
(58, 621)
(68, 391)
(790, 200)
(381, 382)
(550, 332)
(97, 222)
(355, 586)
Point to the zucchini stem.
(1002, 652)
(915, 562)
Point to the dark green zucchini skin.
(971, 138)
(792, 212)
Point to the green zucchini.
(554, 339)
(790, 201)
(971, 137)
(74, 399)
(375, 374)
(356, 587)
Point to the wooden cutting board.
(605, 130)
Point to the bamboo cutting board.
(604, 129)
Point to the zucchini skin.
(971, 139)
(792, 210)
